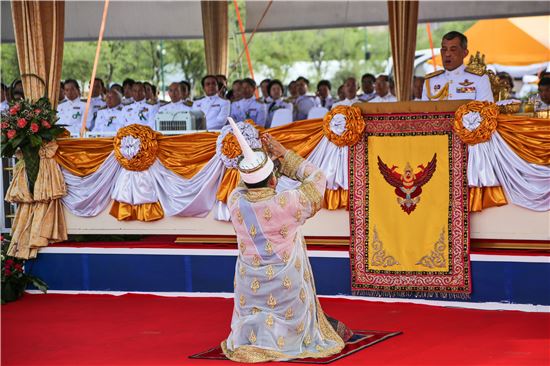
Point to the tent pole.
(92, 80)
(244, 42)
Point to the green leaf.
(38, 283)
(36, 140)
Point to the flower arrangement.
(14, 277)
(27, 125)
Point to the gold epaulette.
(432, 74)
(188, 103)
(474, 71)
(150, 102)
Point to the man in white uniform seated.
(3, 98)
(110, 118)
(215, 109)
(382, 87)
(177, 103)
(456, 81)
(367, 84)
(304, 101)
(71, 110)
(140, 111)
(350, 92)
(249, 107)
(96, 103)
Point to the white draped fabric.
(494, 163)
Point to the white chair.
(281, 117)
(317, 112)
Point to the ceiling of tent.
(182, 19)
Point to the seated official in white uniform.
(109, 119)
(382, 87)
(140, 111)
(96, 102)
(275, 90)
(350, 93)
(304, 101)
(324, 99)
(176, 104)
(71, 110)
(457, 81)
(249, 107)
(215, 109)
(367, 84)
(3, 98)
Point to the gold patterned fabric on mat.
(409, 208)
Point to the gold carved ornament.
(148, 148)
(488, 112)
(355, 125)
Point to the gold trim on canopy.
(82, 157)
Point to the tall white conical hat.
(254, 165)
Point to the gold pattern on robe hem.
(269, 272)
(252, 337)
(252, 231)
(269, 248)
(269, 320)
(287, 283)
(267, 214)
(289, 314)
(303, 295)
(255, 285)
(271, 302)
(281, 341)
(242, 301)
(300, 328)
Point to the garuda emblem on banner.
(408, 185)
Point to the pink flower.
(37, 111)
(46, 123)
(5, 125)
(21, 122)
(11, 134)
(34, 127)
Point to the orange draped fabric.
(144, 212)
(485, 197)
(187, 154)
(528, 137)
(82, 157)
(335, 199)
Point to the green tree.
(189, 56)
(9, 63)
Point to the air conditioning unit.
(176, 122)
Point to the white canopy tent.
(182, 19)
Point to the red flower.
(15, 109)
(34, 127)
(18, 267)
(7, 272)
(9, 262)
(5, 125)
(11, 134)
(46, 123)
(21, 122)
(37, 111)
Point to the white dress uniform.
(457, 84)
(302, 105)
(95, 104)
(385, 99)
(109, 119)
(365, 97)
(4, 105)
(250, 108)
(70, 113)
(155, 107)
(272, 107)
(177, 106)
(140, 113)
(347, 102)
(215, 109)
(326, 103)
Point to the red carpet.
(149, 330)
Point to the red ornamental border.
(458, 281)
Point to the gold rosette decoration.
(476, 121)
(343, 125)
(136, 147)
(230, 146)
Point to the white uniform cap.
(254, 165)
